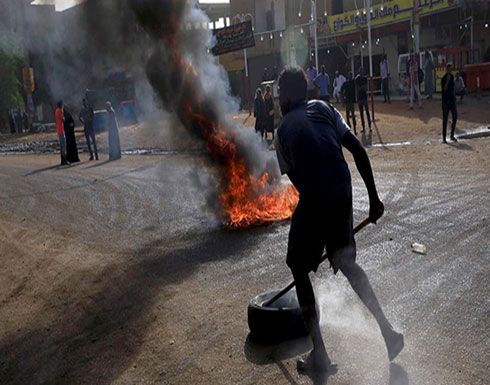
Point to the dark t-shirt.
(86, 115)
(361, 83)
(309, 150)
(447, 85)
(349, 91)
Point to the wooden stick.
(269, 302)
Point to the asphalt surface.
(154, 290)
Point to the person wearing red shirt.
(60, 130)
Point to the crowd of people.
(354, 90)
(65, 128)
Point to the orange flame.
(245, 199)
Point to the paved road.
(139, 284)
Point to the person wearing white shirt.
(337, 85)
(384, 69)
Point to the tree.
(11, 90)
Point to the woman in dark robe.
(112, 127)
(259, 113)
(71, 142)
(269, 111)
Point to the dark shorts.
(318, 226)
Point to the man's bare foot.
(394, 342)
(313, 362)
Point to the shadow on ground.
(398, 375)
(101, 319)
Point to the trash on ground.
(418, 248)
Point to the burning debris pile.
(187, 81)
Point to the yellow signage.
(28, 77)
(388, 12)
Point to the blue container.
(100, 120)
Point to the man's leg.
(384, 90)
(92, 135)
(445, 114)
(87, 139)
(318, 358)
(62, 139)
(362, 115)
(352, 110)
(454, 114)
(388, 89)
(366, 106)
(360, 283)
(419, 96)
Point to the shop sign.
(386, 13)
(233, 38)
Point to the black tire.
(281, 320)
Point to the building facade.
(454, 31)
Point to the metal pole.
(416, 26)
(315, 34)
(245, 61)
(370, 57)
(247, 81)
(471, 41)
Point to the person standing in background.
(413, 65)
(459, 86)
(362, 100)
(112, 127)
(86, 116)
(322, 82)
(429, 75)
(311, 74)
(60, 130)
(384, 69)
(71, 142)
(18, 121)
(338, 82)
(269, 111)
(448, 103)
(11, 123)
(260, 113)
(25, 121)
(349, 93)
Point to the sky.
(61, 5)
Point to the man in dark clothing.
(361, 84)
(349, 92)
(11, 122)
(18, 121)
(86, 116)
(309, 150)
(25, 121)
(448, 103)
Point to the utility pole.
(416, 27)
(370, 56)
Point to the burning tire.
(280, 320)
